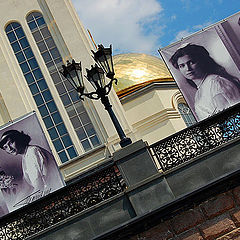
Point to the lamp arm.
(91, 95)
(109, 85)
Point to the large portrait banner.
(28, 170)
(206, 67)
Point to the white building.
(36, 38)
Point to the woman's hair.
(20, 138)
(200, 55)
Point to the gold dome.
(135, 68)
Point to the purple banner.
(28, 170)
(206, 67)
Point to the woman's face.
(10, 147)
(189, 68)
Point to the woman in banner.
(215, 88)
(40, 172)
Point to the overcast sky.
(143, 26)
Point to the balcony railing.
(198, 139)
(106, 181)
(62, 204)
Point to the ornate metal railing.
(198, 139)
(62, 204)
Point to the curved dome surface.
(134, 68)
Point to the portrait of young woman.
(205, 72)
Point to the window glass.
(94, 140)
(43, 111)
(42, 46)
(37, 74)
(53, 133)
(66, 141)
(71, 151)
(15, 25)
(19, 33)
(38, 99)
(45, 32)
(37, 36)
(28, 52)
(58, 145)
(36, 14)
(8, 28)
(48, 122)
(79, 107)
(24, 43)
(56, 118)
(84, 117)
(20, 57)
(65, 99)
(33, 63)
(25, 68)
(38, 86)
(75, 122)
(68, 95)
(63, 156)
(29, 78)
(74, 95)
(62, 130)
(42, 84)
(71, 111)
(60, 88)
(34, 89)
(89, 129)
(54, 52)
(16, 47)
(52, 106)
(47, 95)
(68, 85)
(30, 17)
(46, 56)
(86, 145)
(40, 21)
(50, 42)
(186, 114)
(81, 133)
(11, 37)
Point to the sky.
(144, 26)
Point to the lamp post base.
(125, 141)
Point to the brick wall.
(216, 218)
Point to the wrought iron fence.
(62, 204)
(198, 139)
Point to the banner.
(206, 67)
(28, 170)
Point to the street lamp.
(73, 73)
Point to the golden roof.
(135, 68)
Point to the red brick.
(217, 206)
(236, 217)
(190, 235)
(159, 232)
(186, 220)
(216, 227)
(236, 194)
(233, 235)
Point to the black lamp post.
(73, 73)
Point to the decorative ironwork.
(198, 139)
(62, 204)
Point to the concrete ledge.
(151, 196)
(92, 222)
(135, 163)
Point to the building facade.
(37, 38)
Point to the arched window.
(40, 92)
(186, 114)
(53, 60)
